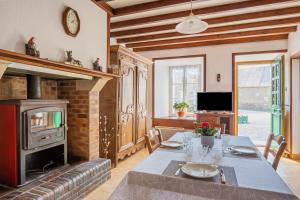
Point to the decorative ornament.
(71, 60)
(31, 49)
(97, 66)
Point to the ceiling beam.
(147, 6)
(211, 21)
(278, 22)
(271, 31)
(216, 42)
(104, 6)
(207, 10)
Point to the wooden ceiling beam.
(216, 42)
(211, 21)
(207, 10)
(263, 32)
(103, 5)
(147, 6)
(278, 22)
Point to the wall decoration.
(71, 22)
(31, 48)
(107, 135)
(218, 77)
(97, 66)
(70, 60)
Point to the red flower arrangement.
(204, 124)
(205, 130)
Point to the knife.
(178, 170)
(223, 178)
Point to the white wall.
(219, 59)
(162, 81)
(21, 19)
(293, 47)
(161, 86)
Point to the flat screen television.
(214, 101)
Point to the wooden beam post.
(95, 85)
(3, 67)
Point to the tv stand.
(218, 117)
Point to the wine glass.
(189, 152)
(203, 151)
(216, 156)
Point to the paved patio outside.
(258, 127)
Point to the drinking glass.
(186, 139)
(216, 156)
(203, 151)
(189, 152)
(225, 143)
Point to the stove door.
(43, 126)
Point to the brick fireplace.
(83, 110)
(27, 80)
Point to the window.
(185, 82)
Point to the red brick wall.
(14, 87)
(83, 121)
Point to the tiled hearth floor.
(68, 182)
(288, 169)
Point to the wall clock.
(71, 22)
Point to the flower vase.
(208, 141)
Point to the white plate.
(172, 144)
(198, 170)
(243, 150)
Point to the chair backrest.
(153, 139)
(167, 132)
(282, 145)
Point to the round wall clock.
(71, 22)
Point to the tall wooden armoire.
(124, 102)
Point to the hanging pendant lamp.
(191, 24)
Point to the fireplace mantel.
(17, 63)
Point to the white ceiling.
(123, 3)
(147, 14)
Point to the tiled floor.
(118, 173)
(289, 170)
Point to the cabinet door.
(127, 106)
(141, 104)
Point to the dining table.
(248, 177)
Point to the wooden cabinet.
(124, 102)
(221, 118)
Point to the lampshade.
(191, 25)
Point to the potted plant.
(207, 134)
(181, 108)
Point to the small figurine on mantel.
(71, 60)
(97, 65)
(31, 49)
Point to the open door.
(277, 96)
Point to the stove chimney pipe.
(34, 90)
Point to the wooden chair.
(167, 132)
(153, 139)
(282, 145)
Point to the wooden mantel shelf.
(13, 57)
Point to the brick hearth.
(69, 182)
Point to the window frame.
(201, 81)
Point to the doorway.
(259, 95)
